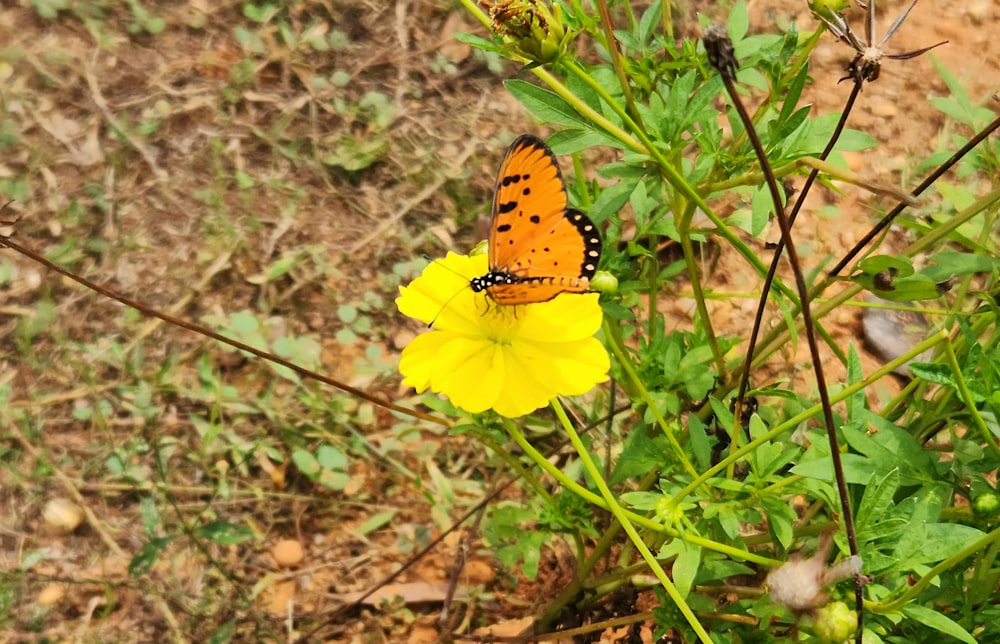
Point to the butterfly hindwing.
(538, 247)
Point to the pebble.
(51, 594)
(288, 553)
(62, 516)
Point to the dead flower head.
(868, 62)
(800, 583)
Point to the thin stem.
(926, 183)
(638, 390)
(621, 516)
(810, 331)
(970, 403)
(616, 61)
(805, 415)
(766, 288)
(926, 580)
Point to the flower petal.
(417, 360)
(568, 317)
(470, 372)
(527, 386)
(483, 355)
(441, 295)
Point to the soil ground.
(301, 186)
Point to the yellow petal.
(441, 295)
(417, 360)
(568, 317)
(527, 386)
(470, 372)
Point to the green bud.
(835, 622)
(534, 31)
(986, 505)
(604, 282)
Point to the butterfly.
(538, 248)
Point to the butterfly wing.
(544, 247)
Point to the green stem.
(932, 574)
(638, 389)
(623, 519)
(970, 403)
(805, 415)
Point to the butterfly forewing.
(530, 196)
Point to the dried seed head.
(799, 583)
(719, 48)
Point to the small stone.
(51, 594)
(402, 338)
(288, 553)
(979, 11)
(884, 109)
(62, 516)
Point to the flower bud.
(835, 622)
(604, 282)
(534, 31)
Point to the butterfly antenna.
(430, 324)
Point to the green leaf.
(686, 564)
(780, 519)
(876, 501)
(937, 621)
(331, 458)
(761, 208)
(949, 264)
(792, 94)
(938, 542)
(573, 140)
(225, 533)
(224, 633)
(306, 462)
(640, 454)
(649, 22)
(147, 556)
(739, 21)
(375, 522)
(548, 106)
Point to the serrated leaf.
(640, 454)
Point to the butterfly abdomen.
(507, 288)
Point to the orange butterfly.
(538, 248)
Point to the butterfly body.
(538, 247)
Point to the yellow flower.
(481, 355)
